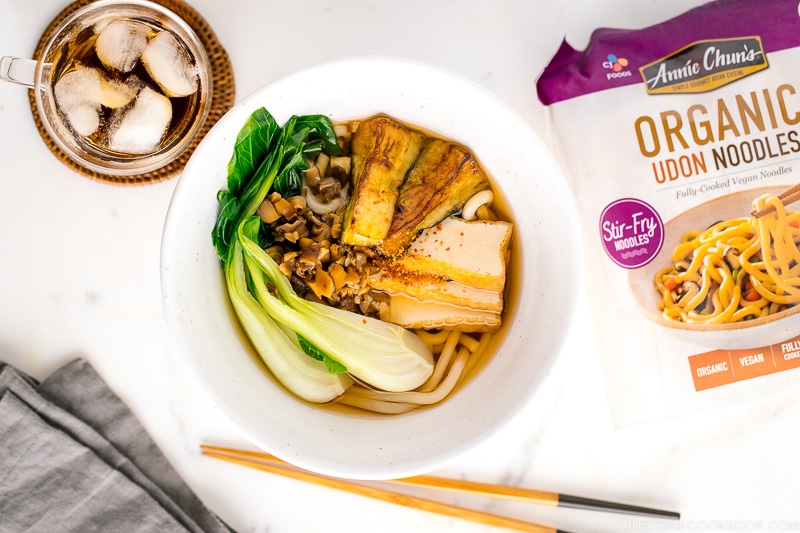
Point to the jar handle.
(18, 70)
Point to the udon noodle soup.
(736, 270)
(405, 227)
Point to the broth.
(501, 211)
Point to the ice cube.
(117, 93)
(170, 65)
(78, 94)
(84, 120)
(78, 87)
(119, 44)
(140, 128)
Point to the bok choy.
(283, 326)
(306, 377)
(386, 356)
(266, 156)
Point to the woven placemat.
(222, 96)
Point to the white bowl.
(747, 334)
(546, 255)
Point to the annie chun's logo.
(616, 65)
(705, 65)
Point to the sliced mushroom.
(708, 306)
(682, 265)
(297, 226)
(305, 242)
(322, 163)
(298, 202)
(337, 253)
(275, 252)
(313, 177)
(338, 275)
(340, 167)
(480, 199)
(336, 226)
(311, 217)
(285, 208)
(267, 212)
(289, 262)
(307, 260)
(688, 290)
(343, 134)
(319, 207)
(731, 255)
(324, 256)
(329, 189)
(321, 232)
(322, 284)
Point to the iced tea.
(125, 86)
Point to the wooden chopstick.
(792, 194)
(506, 492)
(538, 497)
(283, 469)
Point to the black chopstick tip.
(577, 502)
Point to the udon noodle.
(456, 355)
(739, 269)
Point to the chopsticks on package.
(269, 463)
(790, 195)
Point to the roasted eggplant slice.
(383, 151)
(443, 178)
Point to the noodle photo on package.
(736, 270)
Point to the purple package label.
(617, 58)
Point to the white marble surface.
(80, 278)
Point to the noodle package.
(681, 143)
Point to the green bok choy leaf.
(265, 156)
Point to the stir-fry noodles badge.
(632, 232)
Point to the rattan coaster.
(223, 95)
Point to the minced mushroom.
(320, 268)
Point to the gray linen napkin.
(73, 457)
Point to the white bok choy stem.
(383, 355)
(305, 377)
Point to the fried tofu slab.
(454, 274)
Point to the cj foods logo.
(617, 67)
